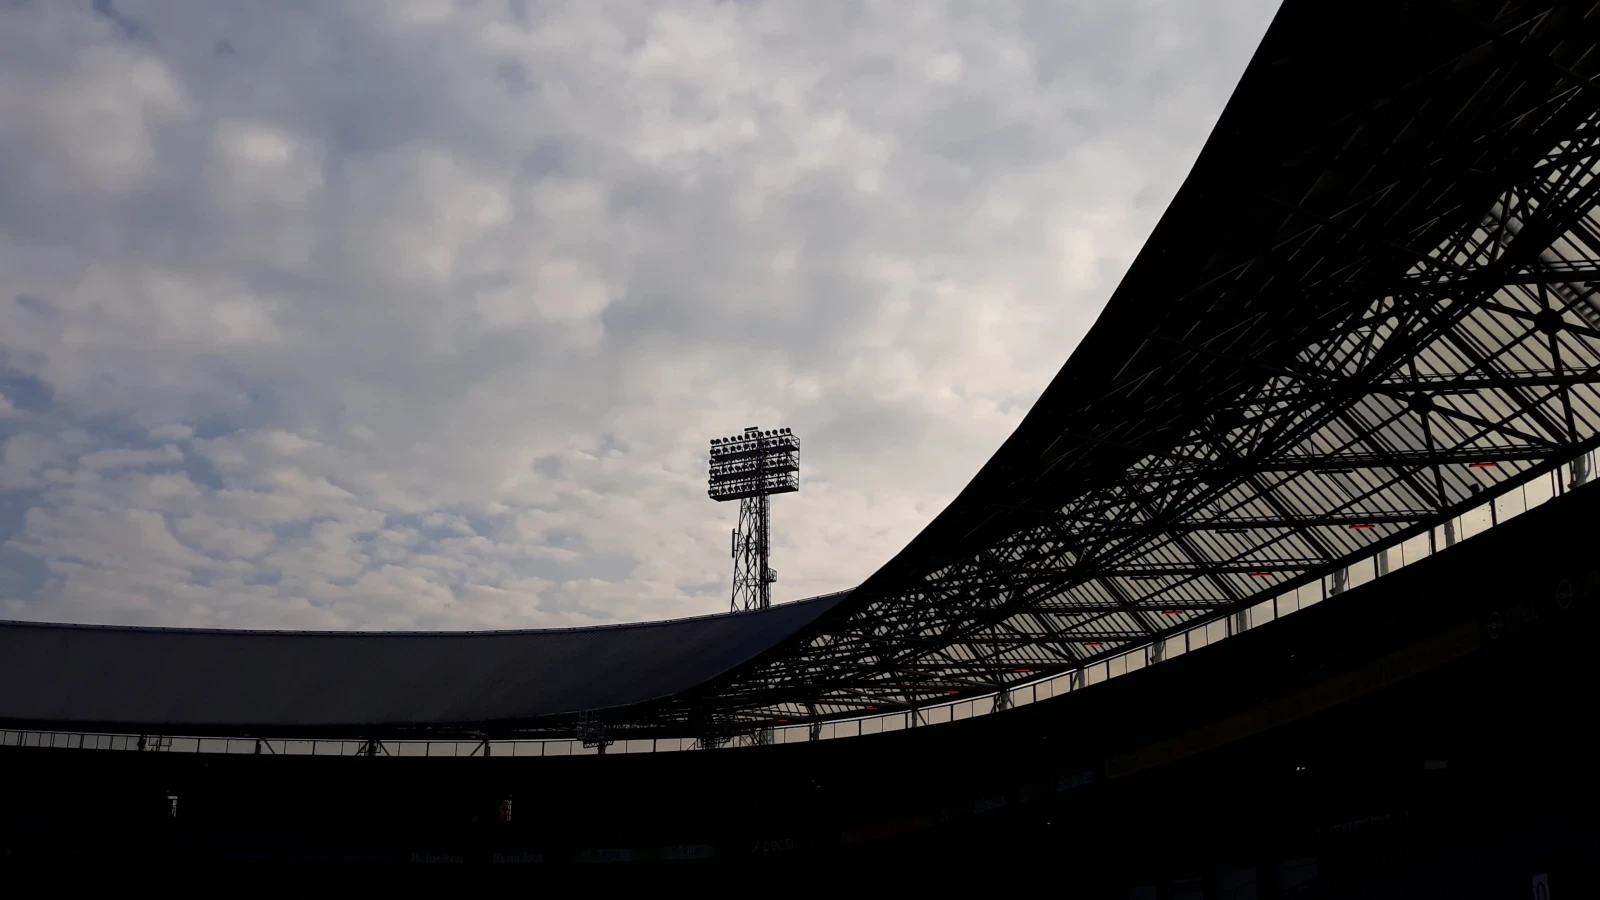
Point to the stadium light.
(751, 467)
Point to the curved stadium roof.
(261, 682)
(1379, 278)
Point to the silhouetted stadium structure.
(1366, 329)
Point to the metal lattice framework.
(751, 468)
(1356, 321)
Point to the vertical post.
(1341, 579)
(591, 732)
(763, 542)
(763, 597)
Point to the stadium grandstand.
(1338, 419)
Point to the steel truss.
(1416, 331)
(1375, 304)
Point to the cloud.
(395, 315)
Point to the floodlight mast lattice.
(750, 468)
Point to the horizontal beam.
(1434, 283)
(1337, 463)
(1447, 383)
(1151, 606)
(1053, 637)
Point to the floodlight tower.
(750, 468)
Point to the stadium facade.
(1366, 329)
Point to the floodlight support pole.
(752, 554)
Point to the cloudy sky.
(420, 314)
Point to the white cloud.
(22, 458)
(117, 458)
(172, 431)
(365, 315)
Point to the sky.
(420, 315)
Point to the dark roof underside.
(259, 682)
